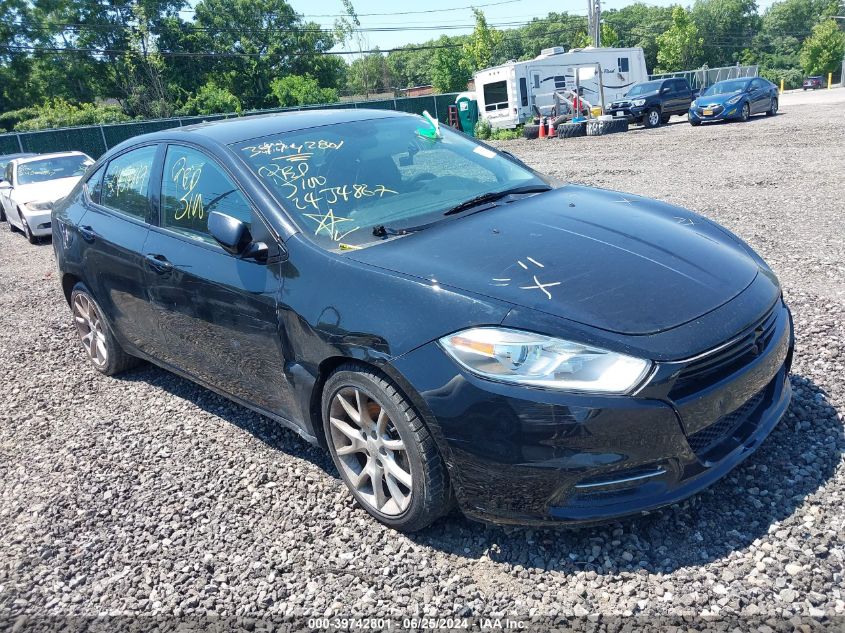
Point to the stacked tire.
(531, 131)
(571, 130)
(598, 127)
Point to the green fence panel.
(9, 144)
(443, 103)
(118, 133)
(82, 139)
(94, 140)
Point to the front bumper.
(631, 113)
(534, 456)
(715, 113)
(39, 222)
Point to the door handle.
(88, 234)
(159, 264)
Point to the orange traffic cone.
(542, 133)
(552, 132)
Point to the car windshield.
(339, 182)
(52, 169)
(644, 88)
(725, 87)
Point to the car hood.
(617, 262)
(47, 191)
(708, 99)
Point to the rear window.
(52, 169)
(495, 95)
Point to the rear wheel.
(385, 454)
(665, 119)
(96, 336)
(773, 109)
(652, 118)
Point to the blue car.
(734, 99)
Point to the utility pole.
(597, 32)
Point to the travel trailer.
(508, 94)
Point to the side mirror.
(233, 235)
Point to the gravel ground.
(149, 495)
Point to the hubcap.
(90, 328)
(370, 451)
(655, 118)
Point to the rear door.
(112, 232)
(217, 313)
(759, 96)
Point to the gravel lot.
(149, 495)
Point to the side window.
(95, 185)
(523, 91)
(536, 81)
(126, 182)
(622, 64)
(560, 81)
(193, 186)
(8, 175)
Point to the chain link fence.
(95, 140)
(703, 77)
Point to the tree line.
(67, 62)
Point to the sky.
(498, 12)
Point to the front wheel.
(385, 454)
(746, 113)
(652, 118)
(27, 232)
(773, 109)
(694, 123)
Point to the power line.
(361, 15)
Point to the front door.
(217, 312)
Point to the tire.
(560, 121)
(26, 230)
(746, 113)
(419, 493)
(694, 123)
(531, 131)
(2, 214)
(652, 118)
(773, 108)
(571, 130)
(12, 227)
(88, 317)
(620, 125)
(664, 119)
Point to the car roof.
(32, 157)
(244, 128)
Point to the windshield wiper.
(496, 195)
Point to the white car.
(31, 186)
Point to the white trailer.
(507, 94)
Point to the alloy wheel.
(654, 118)
(370, 451)
(746, 112)
(91, 329)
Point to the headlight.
(693, 104)
(638, 102)
(40, 206)
(734, 100)
(533, 359)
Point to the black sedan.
(452, 326)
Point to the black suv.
(654, 102)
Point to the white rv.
(508, 94)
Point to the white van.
(507, 94)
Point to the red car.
(812, 82)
